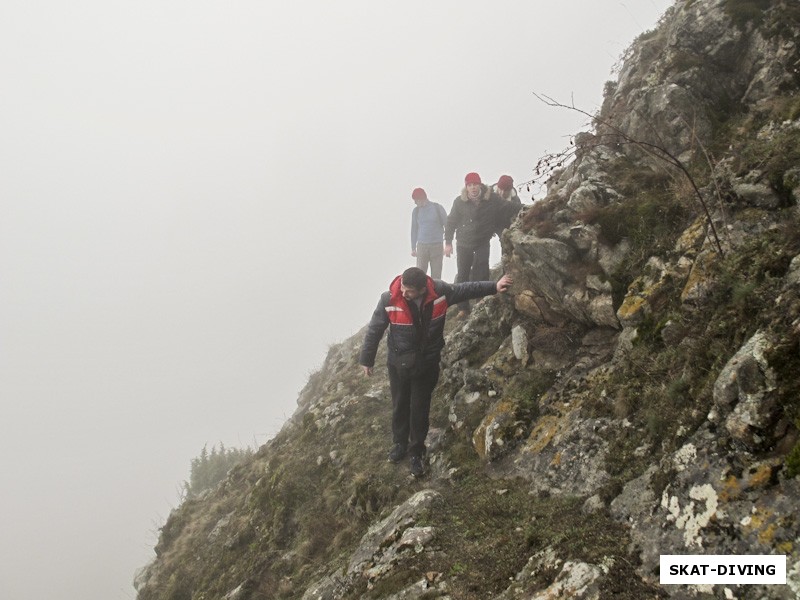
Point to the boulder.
(744, 393)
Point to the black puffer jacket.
(413, 330)
(511, 206)
(474, 223)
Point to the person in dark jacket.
(414, 310)
(511, 202)
(477, 214)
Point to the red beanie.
(505, 183)
(472, 178)
(419, 194)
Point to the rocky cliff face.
(636, 394)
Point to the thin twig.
(712, 167)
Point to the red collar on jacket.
(398, 310)
(397, 295)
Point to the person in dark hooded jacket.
(477, 214)
(511, 202)
(414, 311)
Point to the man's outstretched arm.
(469, 290)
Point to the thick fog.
(198, 198)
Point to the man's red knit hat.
(472, 178)
(505, 183)
(419, 194)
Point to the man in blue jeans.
(414, 310)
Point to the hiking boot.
(417, 466)
(397, 453)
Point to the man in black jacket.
(414, 310)
(477, 214)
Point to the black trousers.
(411, 405)
(472, 263)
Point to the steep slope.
(636, 394)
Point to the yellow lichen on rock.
(632, 308)
(693, 237)
(546, 428)
(486, 436)
(700, 278)
(731, 489)
(763, 474)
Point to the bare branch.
(655, 150)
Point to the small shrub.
(178, 587)
(743, 12)
(685, 60)
(539, 218)
(649, 215)
(677, 391)
(526, 391)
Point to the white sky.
(197, 198)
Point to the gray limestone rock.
(519, 343)
(757, 194)
(575, 579)
(744, 392)
(375, 545)
(565, 455)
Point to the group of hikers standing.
(478, 212)
(415, 306)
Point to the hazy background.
(197, 198)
